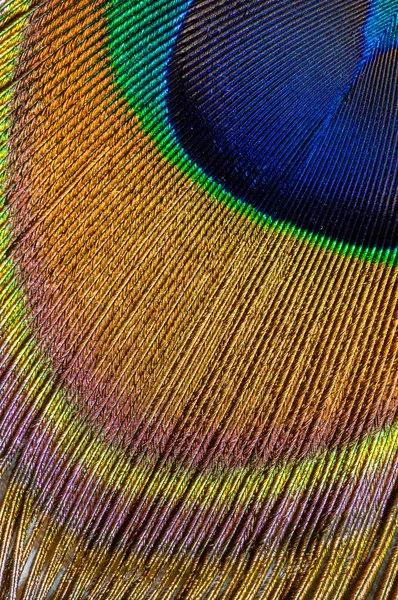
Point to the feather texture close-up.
(198, 299)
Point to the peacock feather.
(199, 299)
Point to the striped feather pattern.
(198, 341)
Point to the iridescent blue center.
(293, 107)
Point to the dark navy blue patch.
(287, 106)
